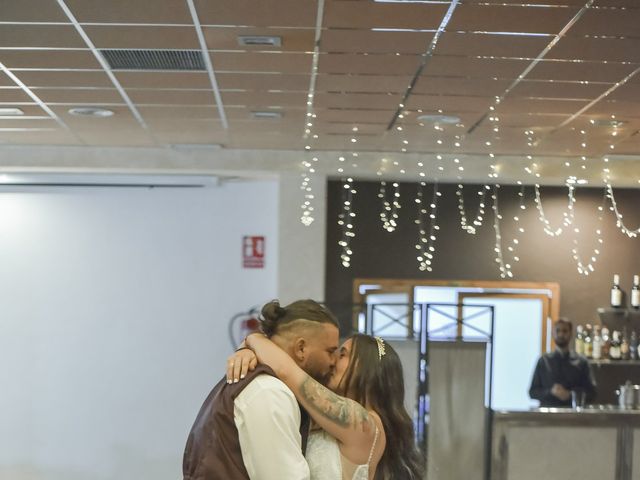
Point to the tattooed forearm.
(340, 410)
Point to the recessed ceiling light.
(91, 112)
(446, 119)
(10, 112)
(266, 115)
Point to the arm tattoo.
(340, 410)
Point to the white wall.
(302, 249)
(113, 328)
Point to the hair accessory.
(381, 349)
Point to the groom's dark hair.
(276, 318)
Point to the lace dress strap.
(375, 440)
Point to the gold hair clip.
(381, 349)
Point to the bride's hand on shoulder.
(240, 363)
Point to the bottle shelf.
(614, 362)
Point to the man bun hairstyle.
(276, 317)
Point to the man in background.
(562, 372)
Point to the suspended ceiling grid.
(551, 62)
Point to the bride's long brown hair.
(378, 383)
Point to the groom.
(255, 429)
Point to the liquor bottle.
(633, 346)
(606, 342)
(635, 292)
(588, 341)
(616, 293)
(596, 343)
(614, 350)
(624, 346)
(579, 341)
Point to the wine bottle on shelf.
(635, 292)
(579, 341)
(606, 342)
(596, 343)
(616, 293)
(588, 341)
(624, 346)
(633, 346)
(614, 350)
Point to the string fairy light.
(505, 268)
(345, 221)
(518, 228)
(306, 186)
(479, 218)
(568, 215)
(389, 213)
(425, 245)
(631, 233)
(586, 269)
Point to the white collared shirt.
(267, 417)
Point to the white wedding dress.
(327, 463)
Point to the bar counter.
(592, 443)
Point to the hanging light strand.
(505, 268)
(345, 222)
(389, 213)
(306, 186)
(477, 222)
(568, 215)
(425, 246)
(619, 222)
(587, 268)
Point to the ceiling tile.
(621, 109)
(14, 95)
(292, 40)
(178, 97)
(276, 13)
(355, 14)
(264, 81)
(143, 37)
(28, 123)
(46, 78)
(558, 89)
(268, 99)
(261, 62)
(355, 116)
(601, 21)
(580, 71)
(371, 64)
(80, 96)
(127, 11)
(32, 11)
(450, 105)
(375, 42)
(460, 86)
(362, 83)
(187, 80)
(523, 105)
(48, 59)
(178, 111)
(5, 81)
(507, 18)
(630, 92)
(49, 36)
(609, 49)
(117, 138)
(441, 65)
(375, 101)
(475, 44)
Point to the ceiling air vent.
(252, 40)
(154, 59)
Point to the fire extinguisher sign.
(253, 252)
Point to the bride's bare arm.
(344, 419)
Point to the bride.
(362, 430)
